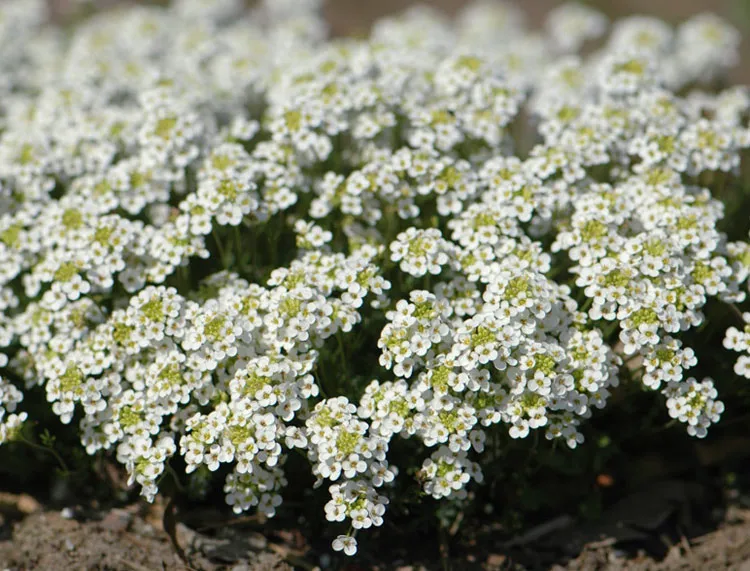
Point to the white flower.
(345, 543)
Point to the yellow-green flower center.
(72, 218)
(66, 272)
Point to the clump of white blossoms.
(202, 207)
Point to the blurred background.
(355, 16)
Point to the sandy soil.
(664, 527)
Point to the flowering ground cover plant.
(226, 239)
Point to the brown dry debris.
(121, 541)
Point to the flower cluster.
(10, 396)
(227, 238)
(739, 341)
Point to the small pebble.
(116, 520)
(256, 541)
(495, 560)
(27, 504)
(67, 513)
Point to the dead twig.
(132, 565)
(606, 542)
(540, 531)
(453, 529)
(293, 559)
(255, 518)
(169, 521)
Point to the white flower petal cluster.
(205, 209)
(694, 404)
(522, 355)
(739, 341)
(420, 251)
(10, 396)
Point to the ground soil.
(127, 539)
(661, 528)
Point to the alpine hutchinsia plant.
(210, 216)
